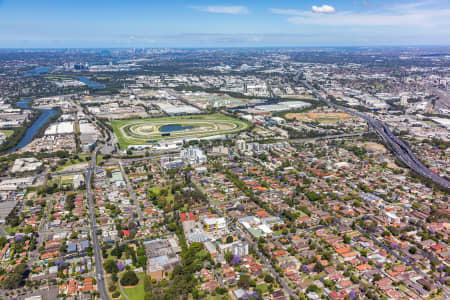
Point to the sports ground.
(145, 131)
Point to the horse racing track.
(144, 131)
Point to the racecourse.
(151, 130)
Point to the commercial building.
(193, 156)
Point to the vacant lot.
(375, 147)
(319, 117)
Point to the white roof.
(264, 228)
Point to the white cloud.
(411, 15)
(223, 9)
(324, 9)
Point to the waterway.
(37, 71)
(174, 127)
(43, 70)
(45, 115)
(92, 84)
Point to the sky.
(227, 23)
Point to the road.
(132, 193)
(399, 147)
(266, 262)
(252, 244)
(129, 160)
(97, 251)
(41, 232)
(404, 260)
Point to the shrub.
(112, 288)
(116, 294)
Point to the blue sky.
(258, 23)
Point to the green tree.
(142, 261)
(413, 250)
(244, 281)
(318, 267)
(313, 288)
(129, 278)
(110, 266)
(228, 256)
(268, 278)
(347, 239)
(15, 278)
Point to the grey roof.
(84, 244)
(72, 247)
(198, 237)
(159, 260)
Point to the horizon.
(236, 47)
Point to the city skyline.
(202, 24)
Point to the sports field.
(146, 131)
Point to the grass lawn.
(262, 288)
(58, 78)
(278, 233)
(302, 214)
(67, 179)
(100, 158)
(218, 297)
(61, 180)
(136, 292)
(141, 131)
(10, 230)
(402, 288)
(7, 132)
(71, 162)
(157, 189)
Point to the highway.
(97, 251)
(399, 147)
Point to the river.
(92, 84)
(45, 115)
(37, 71)
(43, 70)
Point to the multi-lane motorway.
(399, 147)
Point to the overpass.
(399, 147)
